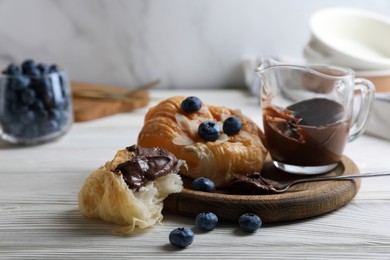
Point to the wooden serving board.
(300, 201)
(86, 109)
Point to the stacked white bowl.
(352, 38)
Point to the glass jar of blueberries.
(35, 103)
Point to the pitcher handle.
(367, 92)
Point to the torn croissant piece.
(130, 189)
(167, 125)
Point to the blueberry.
(232, 125)
(181, 237)
(60, 116)
(38, 106)
(53, 68)
(49, 126)
(30, 68)
(28, 96)
(43, 68)
(11, 95)
(18, 109)
(206, 220)
(31, 131)
(14, 128)
(41, 86)
(40, 111)
(249, 222)
(209, 130)
(55, 114)
(27, 117)
(33, 73)
(12, 70)
(203, 184)
(28, 65)
(191, 104)
(18, 82)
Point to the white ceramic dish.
(350, 37)
(380, 77)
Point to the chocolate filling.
(252, 184)
(147, 165)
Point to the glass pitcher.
(308, 113)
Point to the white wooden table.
(39, 217)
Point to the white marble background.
(186, 44)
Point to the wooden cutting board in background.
(87, 108)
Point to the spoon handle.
(370, 174)
(348, 177)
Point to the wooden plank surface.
(39, 217)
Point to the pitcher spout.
(265, 64)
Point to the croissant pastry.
(170, 125)
(130, 189)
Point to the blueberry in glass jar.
(28, 96)
(53, 68)
(12, 69)
(18, 82)
(35, 103)
(29, 68)
(43, 68)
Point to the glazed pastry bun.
(216, 142)
(130, 189)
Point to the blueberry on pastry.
(130, 189)
(216, 142)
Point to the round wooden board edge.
(272, 207)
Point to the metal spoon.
(279, 187)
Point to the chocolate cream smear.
(146, 165)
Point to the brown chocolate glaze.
(252, 184)
(147, 165)
(308, 133)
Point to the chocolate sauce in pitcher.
(312, 132)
